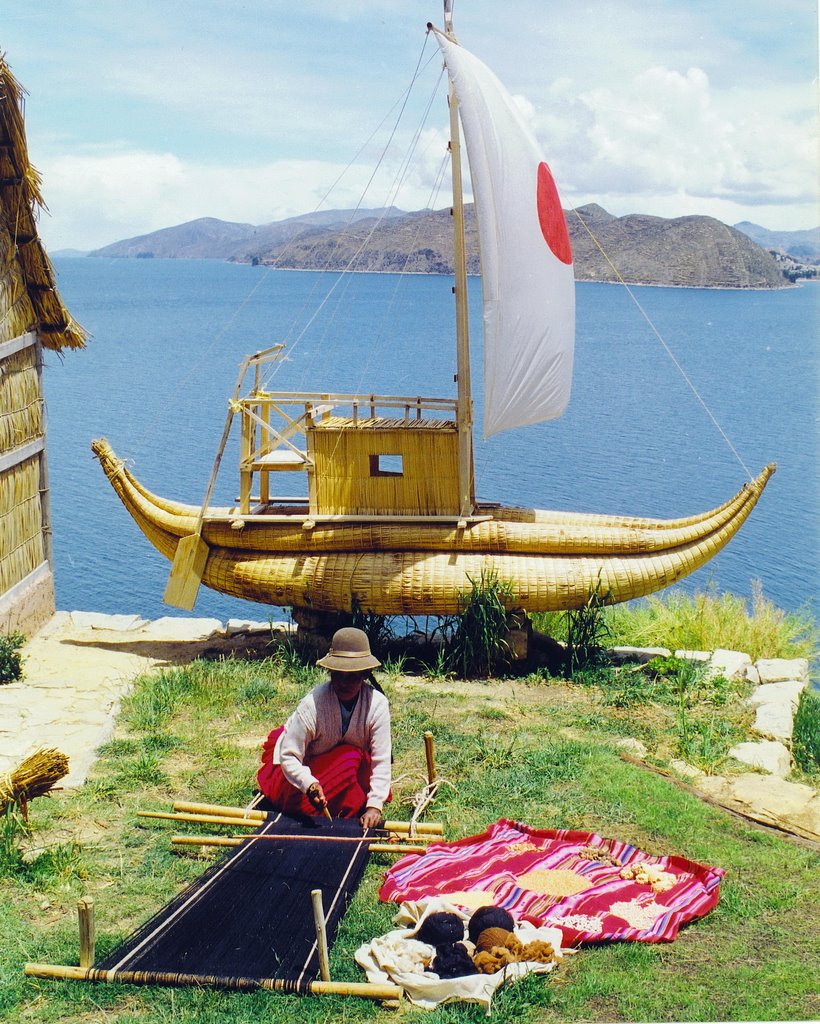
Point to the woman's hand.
(371, 818)
(316, 795)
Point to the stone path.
(80, 665)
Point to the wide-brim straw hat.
(349, 652)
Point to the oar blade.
(186, 572)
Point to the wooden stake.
(318, 988)
(321, 933)
(430, 754)
(85, 917)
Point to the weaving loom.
(249, 914)
(246, 922)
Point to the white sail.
(526, 260)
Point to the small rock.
(784, 799)
(99, 620)
(639, 654)
(774, 721)
(633, 746)
(752, 675)
(688, 771)
(693, 655)
(729, 664)
(771, 756)
(778, 670)
(238, 627)
(283, 627)
(171, 628)
(787, 692)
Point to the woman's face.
(346, 685)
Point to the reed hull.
(553, 560)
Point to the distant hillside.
(209, 238)
(695, 252)
(803, 246)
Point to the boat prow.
(393, 565)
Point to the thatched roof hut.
(32, 318)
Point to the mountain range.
(689, 251)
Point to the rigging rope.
(663, 342)
(161, 415)
(393, 191)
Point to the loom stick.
(321, 933)
(232, 812)
(216, 819)
(373, 845)
(424, 828)
(206, 819)
(85, 918)
(376, 845)
(318, 988)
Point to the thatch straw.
(20, 201)
(33, 777)
(21, 537)
(21, 409)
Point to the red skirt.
(343, 774)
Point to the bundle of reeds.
(34, 776)
(28, 297)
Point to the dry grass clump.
(707, 621)
(34, 776)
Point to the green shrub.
(11, 661)
(806, 732)
(478, 645)
(587, 633)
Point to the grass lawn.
(534, 750)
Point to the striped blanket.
(593, 889)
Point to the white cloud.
(666, 139)
(98, 198)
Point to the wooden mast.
(464, 413)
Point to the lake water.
(168, 337)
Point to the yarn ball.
(492, 937)
(441, 928)
(538, 951)
(489, 917)
(453, 961)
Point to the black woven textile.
(250, 914)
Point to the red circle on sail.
(551, 216)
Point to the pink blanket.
(575, 881)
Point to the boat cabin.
(373, 455)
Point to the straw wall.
(21, 418)
(346, 484)
(21, 528)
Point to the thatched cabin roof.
(29, 299)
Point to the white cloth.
(316, 727)
(384, 958)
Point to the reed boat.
(391, 524)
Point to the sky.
(145, 115)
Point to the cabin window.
(386, 465)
